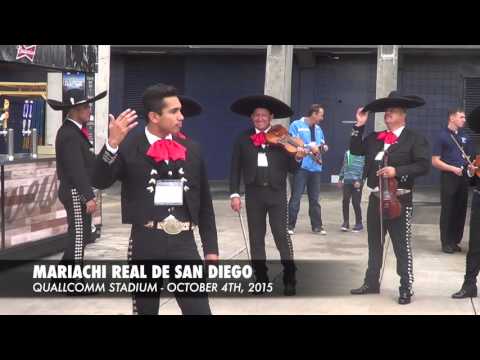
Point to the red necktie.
(163, 149)
(85, 132)
(387, 137)
(259, 139)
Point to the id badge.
(262, 160)
(168, 193)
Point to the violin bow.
(244, 233)
(382, 232)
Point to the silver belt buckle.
(172, 226)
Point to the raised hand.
(361, 117)
(119, 128)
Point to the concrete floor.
(343, 257)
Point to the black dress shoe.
(448, 249)
(289, 289)
(465, 292)
(366, 289)
(262, 279)
(457, 248)
(405, 298)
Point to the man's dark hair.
(315, 108)
(455, 110)
(153, 97)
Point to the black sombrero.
(247, 105)
(394, 100)
(473, 120)
(74, 98)
(190, 107)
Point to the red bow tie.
(163, 149)
(181, 135)
(85, 132)
(387, 137)
(259, 139)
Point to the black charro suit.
(473, 255)
(75, 158)
(265, 192)
(410, 156)
(244, 162)
(136, 170)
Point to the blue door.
(341, 86)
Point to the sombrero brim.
(58, 105)
(407, 102)
(190, 107)
(247, 105)
(473, 120)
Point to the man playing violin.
(408, 157)
(309, 174)
(469, 287)
(264, 169)
(449, 150)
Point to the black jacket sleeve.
(236, 167)
(293, 164)
(107, 169)
(357, 143)
(421, 159)
(70, 153)
(206, 223)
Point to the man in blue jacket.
(309, 174)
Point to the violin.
(279, 136)
(476, 163)
(390, 207)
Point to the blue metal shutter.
(143, 71)
(471, 101)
